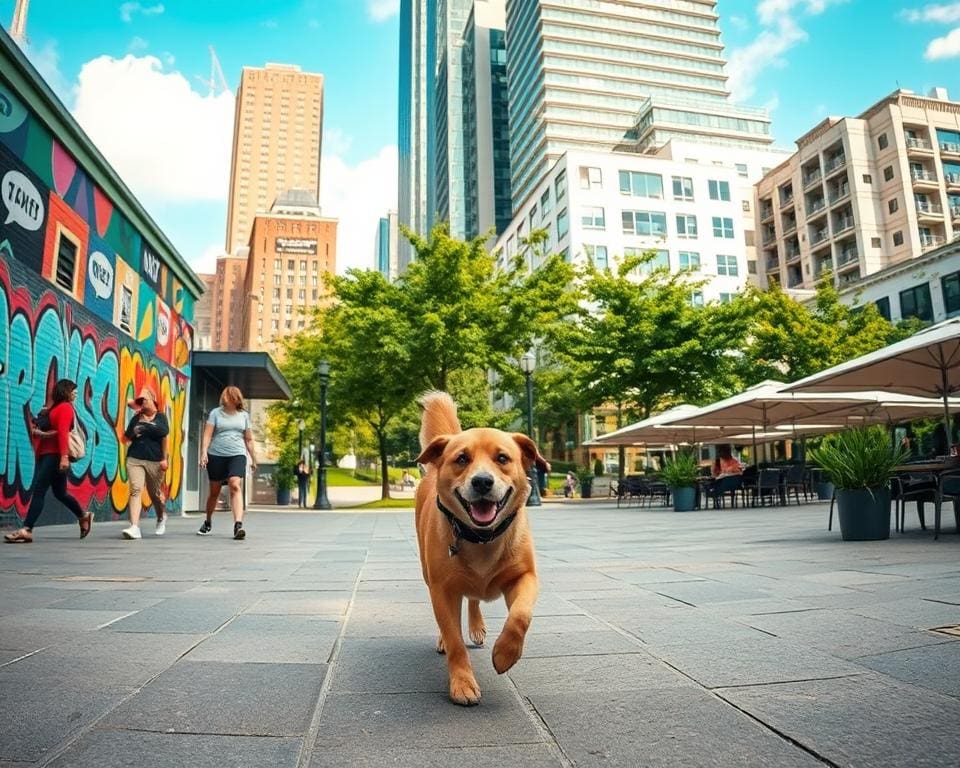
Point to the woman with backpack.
(51, 431)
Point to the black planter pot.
(283, 496)
(864, 514)
(824, 491)
(586, 488)
(684, 499)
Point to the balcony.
(955, 212)
(839, 194)
(773, 264)
(843, 224)
(768, 235)
(923, 178)
(921, 145)
(793, 281)
(952, 179)
(817, 239)
(848, 257)
(812, 178)
(949, 148)
(816, 206)
(766, 213)
(834, 163)
(824, 265)
(786, 201)
(789, 225)
(792, 255)
(925, 209)
(931, 241)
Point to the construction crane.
(216, 75)
(18, 28)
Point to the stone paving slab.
(929, 666)
(136, 749)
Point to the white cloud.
(946, 47)
(165, 140)
(781, 32)
(945, 13)
(381, 10)
(206, 262)
(129, 10)
(358, 195)
(137, 43)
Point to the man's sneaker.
(133, 532)
(205, 529)
(238, 532)
(161, 527)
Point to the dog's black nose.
(482, 482)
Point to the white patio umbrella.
(926, 364)
(647, 431)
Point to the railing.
(768, 236)
(786, 200)
(822, 266)
(848, 256)
(793, 281)
(953, 178)
(922, 175)
(812, 178)
(840, 193)
(834, 163)
(773, 264)
(815, 206)
(793, 255)
(950, 146)
(955, 211)
(766, 213)
(918, 144)
(932, 241)
(935, 208)
(789, 225)
(843, 224)
(819, 237)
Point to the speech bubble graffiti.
(12, 112)
(163, 326)
(100, 271)
(23, 201)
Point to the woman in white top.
(227, 439)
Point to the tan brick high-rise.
(277, 133)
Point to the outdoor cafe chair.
(768, 484)
(719, 489)
(795, 479)
(948, 487)
(912, 486)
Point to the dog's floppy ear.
(432, 453)
(531, 455)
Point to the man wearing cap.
(146, 460)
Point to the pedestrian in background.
(227, 439)
(147, 458)
(303, 480)
(51, 432)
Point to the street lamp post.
(527, 364)
(322, 502)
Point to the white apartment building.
(862, 194)
(690, 207)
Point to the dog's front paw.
(507, 651)
(478, 632)
(440, 648)
(464, 690)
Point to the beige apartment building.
(203, 314)
(227, 302)
(277, 134)
(292, 250)
(862, 193)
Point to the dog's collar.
(463, 532)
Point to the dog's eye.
(502, 458)
(463, 459)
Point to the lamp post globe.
(528, 362)
(322, 502)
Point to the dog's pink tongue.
(483, 511)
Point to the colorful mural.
(82, 296)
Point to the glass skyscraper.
(616, 74)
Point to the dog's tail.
(439, 417)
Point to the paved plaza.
(713, 638)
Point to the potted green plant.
(681, 475)
(585, 479)
(598, 467)
(860, 463)
(283, 481)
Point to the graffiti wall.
(82, 296)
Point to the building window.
(882, 141)
(892, 205)
(593, 218)
(722, 227)
(644, 223)
(316, 264)
(560, 184)
(291, 263)
(690, 261)
(563, 224)
(883, 307)
(745, 205)
(696, 298)
(726, 298)
(597, 255)
(727, 265)
(898, 238)
(660, 260)
(640, 184)
(277, 265)
(315, 295)
(749, 236)
(590, 178)
(533, 217)
(682, 188)
(545, 205)
(276, 294)
(719, 190)
(126, 309)
(303, 265)
(65, 269)
(302, 294)
(742, 170)
(888, 173)
(752, 267)
(867, 178)
(915, 302)
(875, 242)
(686, 225)
(290, 293)
(950, 285)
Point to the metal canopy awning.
(254, 372)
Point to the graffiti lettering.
(151, 264)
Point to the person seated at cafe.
(725, 464)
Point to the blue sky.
(131, 72)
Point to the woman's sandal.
(85, 522)
(22, 536)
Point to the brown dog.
(473, 535)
